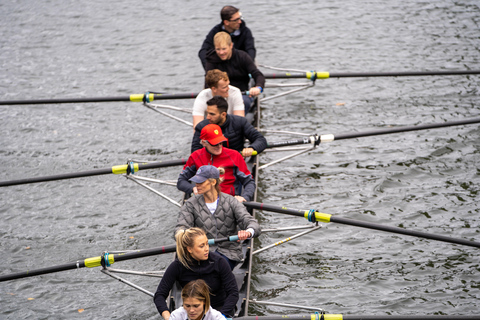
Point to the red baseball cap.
(213, 134)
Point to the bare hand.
(240, 198)
(166, 315)
(242, 235)
(247, 152)
(195, 191)
(254, 91)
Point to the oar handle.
(219, 240)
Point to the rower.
(238, 180)
(218, 213)
(238, 65)
(235, 128)
(218, 85)
(195, 261)
(233, 24)
(196, 303)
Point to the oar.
(132, 98)
(317, 139)
(319, 316)
(325, 75)
(312, 215)
(104, 260)
(120, 169)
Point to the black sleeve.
(206, 46)
(257, 75)
(230, 286)
(257, 140)
(163, 289)
(250, 44)
(196, 136)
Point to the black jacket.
(215, 272)
(243, 41)
(238, 68)
(235, 129)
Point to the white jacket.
(212, 314)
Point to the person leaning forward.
(233, 24)
(196, 303)
(218, 85)
(195, 261)
(234, 128)
(238, 65)
(238, 180)
(219, 214)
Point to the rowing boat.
(242, 271)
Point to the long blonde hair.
(197, 289)
(186, 238)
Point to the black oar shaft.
(132, 98)
(397, 230)
(66, 100)
(360, 317)
(290, 142)
(330, 218)
(90, 262)
(143, 253)
(404, 73)
(165, 249)
(325, 75)
(37, 272)
(268, 207)
(405, 129)
(116, 170)
(107, 258)
(316, 139)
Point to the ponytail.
(219, 180)
(186, 238)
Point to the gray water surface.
(422, 180)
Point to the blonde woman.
(196, 303)
(195, 261)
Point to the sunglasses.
(214, 145)
(238, 19)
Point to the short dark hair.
(220, 102)
(227, 12)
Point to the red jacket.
(237, 180)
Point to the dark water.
(426, 180)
